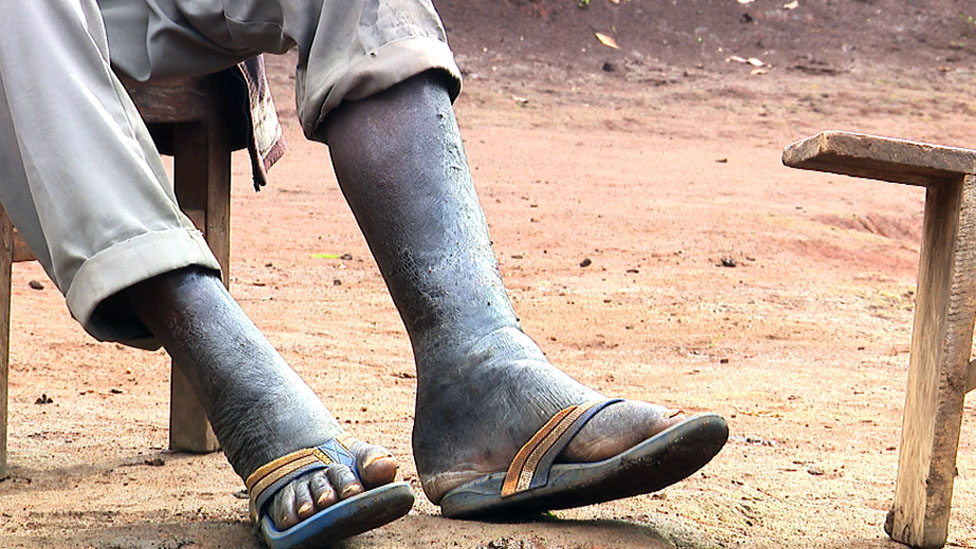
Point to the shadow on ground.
(412, 531)
(547, 531)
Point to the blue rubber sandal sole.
(347, 518)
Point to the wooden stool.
(192, 120)
(940, 370)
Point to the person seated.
(498, 430)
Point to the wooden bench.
(190, 119)
(941, 371)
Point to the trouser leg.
(83, 181)
(85, 184)
(347, 49)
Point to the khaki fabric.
(80, 176)
(347, 49)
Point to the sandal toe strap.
(265, 482)
(531, 465)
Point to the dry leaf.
(607, 41)
(792, 5)
(755, 62)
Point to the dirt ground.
(654, 162)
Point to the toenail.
(306, 507)
(351, 488)
(373, 459)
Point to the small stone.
(336, 282)
(586, 262)
(155, 462)
(44, 399)
(36, 285)
(115, 391)
(346, 257)
(729, 262)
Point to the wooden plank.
(202, 170)
(941, 343)
(171, 101)
(189, 428)
(884, 158)
(6, 258)
(22, 252)
(218, 182)
(971, 380)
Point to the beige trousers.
(79, 174)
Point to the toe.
(304, 496)
(344, 481)
(323, 494)
(284, 512)
(304, 505)
(376, 464)
(617, 428)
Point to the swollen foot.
(260, 409)
(471, 421)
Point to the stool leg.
(6, 258)
(941, 342)
(202, 180)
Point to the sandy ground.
(803, 345)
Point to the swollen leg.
(91, 196)
(484, 387)
(259, 407)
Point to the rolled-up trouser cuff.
(127, 263)
(377, 71)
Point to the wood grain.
(939, 368)
(20, 249)
(171, 101)
(884, 158)
(6, 258)
(971, 380)
(940, 371)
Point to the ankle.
(451, 351)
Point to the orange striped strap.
(264, 482)
(531, 465)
